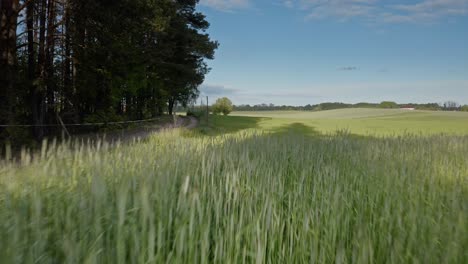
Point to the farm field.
(273, 187)
(364, 121)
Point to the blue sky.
(299, 52)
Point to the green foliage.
(196, 113)
(222, 105)
(126, 58)
(103, 116)
(429, 106)
(464, 108)
(308, 107)
(365, 105)
(388, 104)
(333, 106)
(330, 106)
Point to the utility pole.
(174, 115)
(207, 110)
(201, 104)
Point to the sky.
(298, 52)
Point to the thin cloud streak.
(348, 68)
(402, 92)
(217, 90)
(425, 11)
(375, 11)
(226, 5)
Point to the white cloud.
(289, 3)
(340, 9)
(423, 11)
(427, 11)
(226, 5)
(217, 90)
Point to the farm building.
(408, 107)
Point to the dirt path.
(193, 122)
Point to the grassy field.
(367, 121)
(245, 190)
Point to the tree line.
(98, 60)
(447, 106)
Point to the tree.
(98, 60)
(9, 11)
(388, 104)
(451, 106)
(464, 108)
(428, 106)
(222, 105)
(184, 69)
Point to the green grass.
(375, 122)
(240, 190)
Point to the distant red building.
(408, 107)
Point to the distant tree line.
(447, 106)
(97, 60)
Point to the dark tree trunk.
(8, 61)
(160, 110)
(33, 89)
(158, 101)
(68, 89)
(77, 34)
(170, 106)
(49, 62)
(31, 50)
(40, 87)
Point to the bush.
(464, 108)
(388, 104)
(196, 113)
(222, 105)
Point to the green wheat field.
(341, 186)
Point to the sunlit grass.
(362, 121)
(285, 195)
